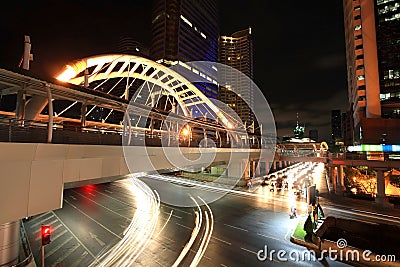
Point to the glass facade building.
(236, 51)
(186, 30)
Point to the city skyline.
(289, 60)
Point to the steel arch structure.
(103, 68)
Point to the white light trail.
(139, 232)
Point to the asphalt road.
(93, 220)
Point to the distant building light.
(186, 21)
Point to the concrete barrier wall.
(32, 175)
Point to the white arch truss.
(105, 67)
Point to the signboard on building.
(375, 156)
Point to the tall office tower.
(186, 30)
(336, 125)
(236, 51)
(128, 45)
(372, 34)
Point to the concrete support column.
(238, 169)
(380, 182)
(258, 168)
(340, 180)
(20, 109)
(83, 115)
(333, 177)
(9, 243)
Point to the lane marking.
(236, 227)
(271, 237)
(108, 191)
(245, 249)
(80, 242)
(51, 252)
(104, 207)
(173, 215)
(40, 222)
(223, 241)
(98, 240)
(49, 223)
(223, 265)
(37, 217)
(184, 226)
(78, 261)
(105, 228)
(69, 252)
(195, 252)
(53, 238)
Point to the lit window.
(360, 77)
(357, 27)
(384, 96)
(186, 21)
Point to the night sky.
(299, 48)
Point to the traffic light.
(46, 232)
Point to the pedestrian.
(293, 210)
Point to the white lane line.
(54, 238)
(169, 239)
(223, 241)
(108, 191)
(74, 198)
(223, 265)
(40, 222)
(173, 215)
(69, 252)
(183, 211)
(184, 226)
(116, 199)
(105, 228)
(50, 223)
(37, 217)
(90, 193)
(78, 261)
(245, 249)
(236, 227)
(195, 252)
(104, 207)
(51, 252)
(88, 251)
(53, 230)
(268, 236)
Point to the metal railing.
(17, 130)
(25, 255)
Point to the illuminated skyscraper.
(185, 30)
(372, 34)
(236, 51)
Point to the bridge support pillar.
(9, 243)
(20, 109)
(380, 198)
(340, 180)
(333, 172)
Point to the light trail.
(207, 236)
(193, 236)
(139, 232)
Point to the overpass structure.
(52, 137)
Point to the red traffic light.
(45, 232)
